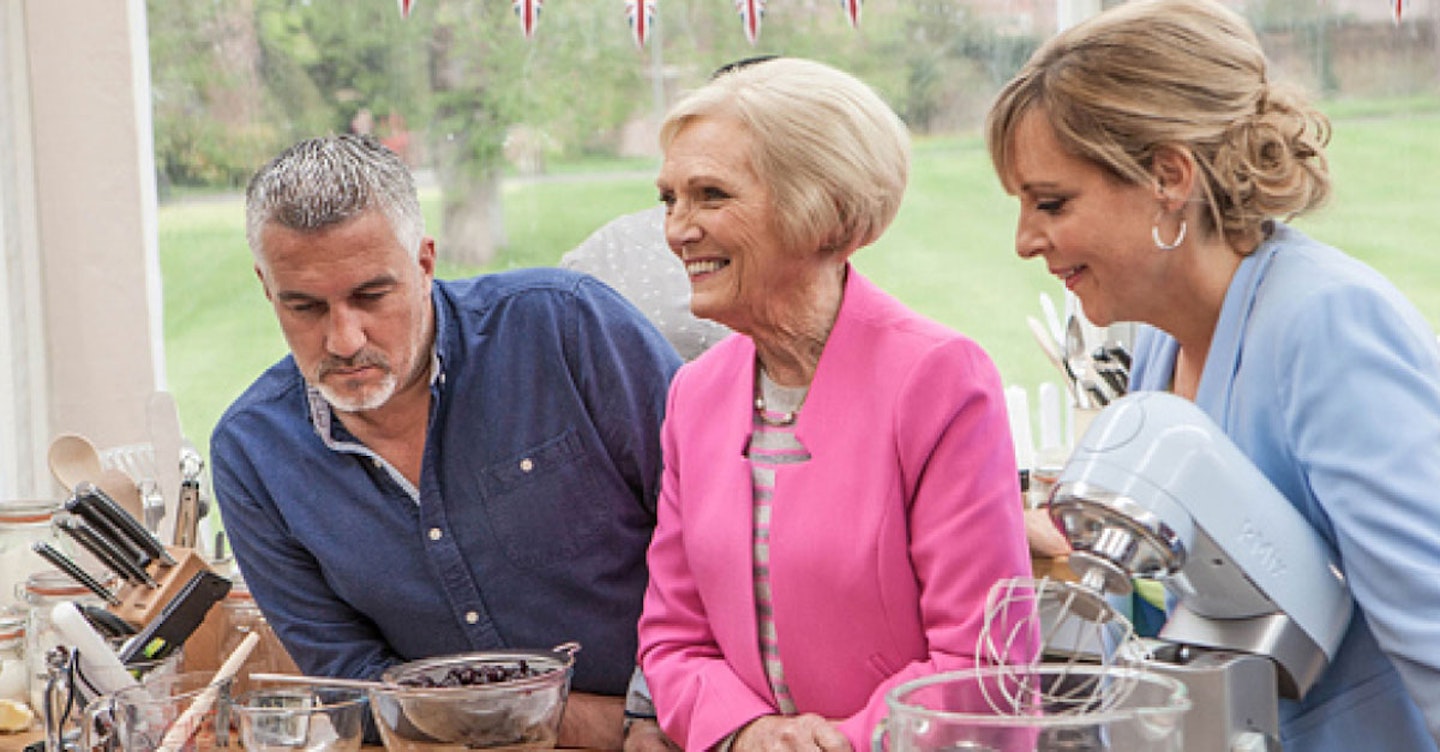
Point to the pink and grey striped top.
(771, 446)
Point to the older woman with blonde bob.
(1154, 160)
(840, 489)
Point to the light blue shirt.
(1329, 381)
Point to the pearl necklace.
(785, 419)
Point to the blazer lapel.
(1223, 361)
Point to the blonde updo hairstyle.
(835, 156)
(1189, 73)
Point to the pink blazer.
(883, 546)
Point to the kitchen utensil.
(521, 711)
(105, 550)
(1051, 349)
(91, 502)
(1155, 489)
(180, 618)
(190, 722)
(110, 626)
(1052, 319)
(1072, 622)
(1036, 709)
(88, 517)
(73, 458)
(141, 605)
(1077, 363)
(122, 490)
(327, 681)
(313, 718)
(102, 669)
(68, 566)
(187, 510)
(188, 710)
(138, 461)
(1111, 370)
(167, 438)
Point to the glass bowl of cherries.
(504, 699)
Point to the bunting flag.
(528, 11)
(1398, 6)
(852, 10)
(404, 8)
(642, 16)
(750, 13)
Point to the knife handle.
(89, 495)
(108, 554)
(105, 555)
(77, 574)
(88, 511)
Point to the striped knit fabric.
(771, 447)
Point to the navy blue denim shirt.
(536, 499)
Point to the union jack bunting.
(642, 16)
(528, 11)
(404, 8)
(750, 13)
(1398, 6)
(852, 11)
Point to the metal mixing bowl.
(522, 712)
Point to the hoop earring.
(1161, 245)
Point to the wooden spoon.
(73, 458)
(120, 487)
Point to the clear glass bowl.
(1043, 708)
(521, 711)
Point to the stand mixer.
(1155, 489)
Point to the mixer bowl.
(439, 704)
(1042, 708)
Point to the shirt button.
(526, 465)
(435, 533)
(378, 462)
(471, 617)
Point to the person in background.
(438, 466)
(629, 254)
(1154, 158)
(840, 490)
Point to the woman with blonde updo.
(1156, 166)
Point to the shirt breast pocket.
(543, 503)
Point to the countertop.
(17, 742)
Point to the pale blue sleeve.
(1359, 400)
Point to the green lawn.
(949, 255)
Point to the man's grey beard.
(370, 400)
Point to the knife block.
(141, 603)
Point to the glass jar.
(22, 525)
(239, 616)
(14, 680)
(43, 591)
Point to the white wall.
(81, 345)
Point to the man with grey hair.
(438, 466)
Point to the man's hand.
(645, 735)
(593, 722)
(776, 733)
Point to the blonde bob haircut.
(1151, 74)
(835, 156)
